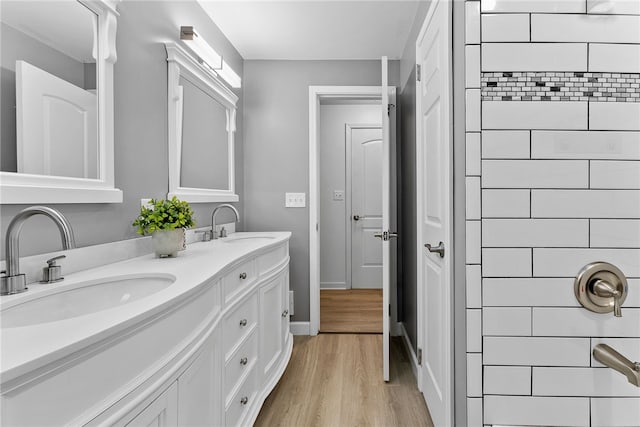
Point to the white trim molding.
(412, 355)
(181, 64)
(299, 328)
(21, 188)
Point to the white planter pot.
(167, 243)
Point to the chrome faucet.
(14, 282)
(614, 360)
(213, 219)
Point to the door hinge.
(389, 108)
(389, 310)
(419, 356)
(418, 72)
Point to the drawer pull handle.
(244, 361)
(244, 400)
(243, 322)
(243, 276)
(285, 313)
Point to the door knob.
(386, 235)
(356, 217)
(438, 249)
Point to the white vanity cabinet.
(162, 412)
(272, 315)
(199, 387)
(207, 356)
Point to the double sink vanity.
(200, 339)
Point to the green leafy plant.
(164, 215)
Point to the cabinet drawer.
(238, 280)
(239, 323)
(238, 405)
(240, 361)
(271, 259)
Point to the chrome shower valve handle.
(602, 288)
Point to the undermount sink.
(89, 297)
(237, 237)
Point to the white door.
(386, 219)
(434, 206)
(56, 125)
(364, 151)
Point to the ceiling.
(315, 30)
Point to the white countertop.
(26, 348)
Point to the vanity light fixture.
(210, 57)
(196, 43)
(229, 75)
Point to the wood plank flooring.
(351, 310)
(335, 380)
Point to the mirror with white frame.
(56, 69)
(202, 116)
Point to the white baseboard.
(299, 328)
(333, 285)
(409, 348)
(396, 329)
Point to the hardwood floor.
(351, 310)
(335, 380)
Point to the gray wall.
(407, 261)
(333, 228)
(276, 101)
(141, 160)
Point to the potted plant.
(165, 220)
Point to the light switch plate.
(338, 195)
(295, 200)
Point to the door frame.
(317, 93)
(348, 199)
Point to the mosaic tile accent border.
(560, 86)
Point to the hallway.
(357, 311)
(336, 380)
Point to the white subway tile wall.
(538, 411)
(555, 381)
(615, 412)
(554, 137)
(589, 145)
(534, 56)
(473, 154)
(530, 6)
(618, 116)
(504, 144)
(505, 27)
(584, 28)
(510, 380)
(624, 58)
(506, 203)
(562, 115)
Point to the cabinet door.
(162, 412)
(285, 310)
(199, 393)
(271, 325)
